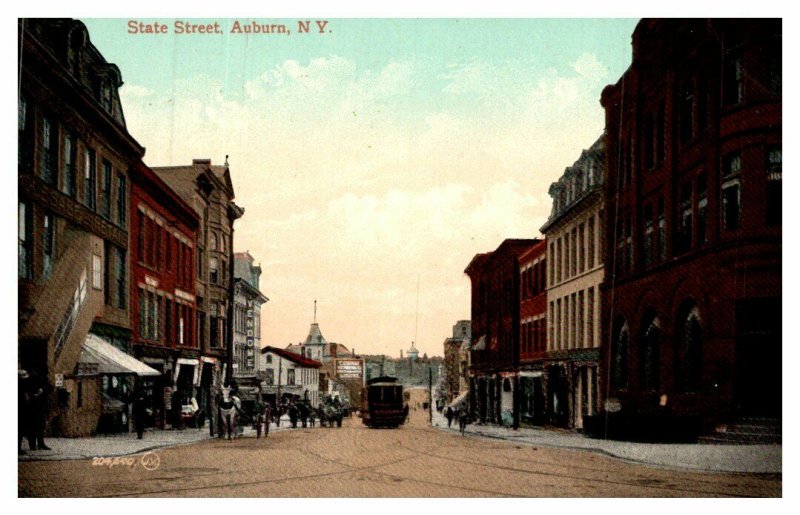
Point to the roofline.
(291, 356)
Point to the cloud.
(357, 180)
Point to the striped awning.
(100, 357)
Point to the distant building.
(289, 377)
(575, 239)
(494, 369)
(456, 360)
(247, 302)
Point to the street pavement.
(125, 444)
(757, 458)
(416, 460)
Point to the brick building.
(575, 274)
(208, 189)
(75, 159)
(693, 289)
(495, 329)
(163, 297)
(532, 333)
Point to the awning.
(461, 399)
(481, 345)
(103, 358)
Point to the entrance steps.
(747, 430)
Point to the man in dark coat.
(23, 399)
(463, 418)
(303, 408)
(37, 412)
(293, 414)
(139, 406)
(448, 414)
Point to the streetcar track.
(673, 488)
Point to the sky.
(375, 159)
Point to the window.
(731, 191)
(649, 235)
(774, 55)
(168, 326)
(70, 156)
(213, 274)
(733, 78)
(105, 191)
(684, 234)
(774, 186)
(590, 236)
(89, 179)
(269, 358)
(689, 362)
(660, 125)
(180, 324)
(702, 102)
(122, 291)
(25, 238)
(619, 356)
(649, 355)
(649, 136)
(105, 96)
(212, 240)
(48, 246)
(702, 209)
(140, 228)
(24, 135)
(686, 108)
(662, 231)
(214, 331)
(290, 377)
(49, 156)
(158, 329)
(79, 395)
(97, 272)
(142, 313)
(122, 202)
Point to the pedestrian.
(139, 404)
(23, 400)
(267, 418)
(462, 420)
(312, 416)
(303, 409)
(293, 415)
(37, 411)
(448, 414)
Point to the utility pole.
(430, 393)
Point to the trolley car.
(382, 403)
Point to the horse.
(229, 405)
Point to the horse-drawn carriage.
(330, 413)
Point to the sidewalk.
(124, 444)
(711, 458)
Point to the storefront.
(532, 397)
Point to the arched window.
(212, 241)
(690, 350)
(619, 358)
(649, 354)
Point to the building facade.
(693, 288)
(574, 275)
(209, 190)
(456, 361)
(75, 158)
(289, 377)
(163, 297)
(247, 303)
(532, 333)
(495, 329)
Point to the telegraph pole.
(430, 393)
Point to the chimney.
(201, 162)
(401, 353)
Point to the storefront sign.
(349, 368)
